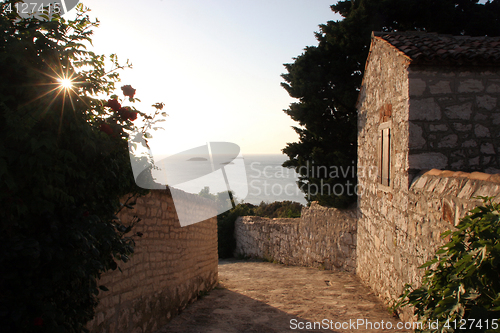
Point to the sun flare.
(65, 83)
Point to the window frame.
(384, 154)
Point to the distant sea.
(266, 180)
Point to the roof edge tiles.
(425, 48)
(494, 178)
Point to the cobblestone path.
(263, 297)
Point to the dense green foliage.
(225, 221)
(326, 79)
(461, 287)
(225, 229)
(278, 209)
(64, 166)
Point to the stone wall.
(438, 118)
(171, 266)
(454, 119)
(321, 237)
(383, 209)
(437, 200)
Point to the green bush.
(461, 286)
(278, 209)
(225, 229)
(64, 166)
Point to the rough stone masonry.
(321, 237)
(443, 114)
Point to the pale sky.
(216, 64)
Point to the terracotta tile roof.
(434, 49)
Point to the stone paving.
(256, 296)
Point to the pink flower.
(106, 129)
(128, 91)
(125, 113)
(132, 115)
(114, 104)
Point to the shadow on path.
(256, 296)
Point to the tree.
(460, 288)
(64, 172)
(326, 80)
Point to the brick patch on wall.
(171, 266)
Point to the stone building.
(427, 101)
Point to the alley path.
(263, 297)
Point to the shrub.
(279, 209)
(461, 286)
(64, 165)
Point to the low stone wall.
(437, 201)
(389, 254)
(171, 266)
(321, 237)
